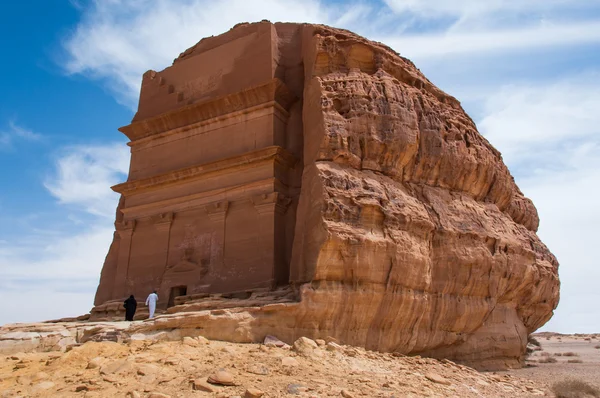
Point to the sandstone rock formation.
(324, 173)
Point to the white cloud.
(477, 8)
(15, 132)
(53, 277)
(53, 273)
(119, 40)
(479, 42)
(550, 138)
(567, 202)
(71, 256)
(531, 124)
(84, 175)
(34, 304)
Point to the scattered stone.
(437, 379)
(44, 385)
(81, 387)
(116, 367)
(253, 393)
(190, 342)
(148, 379)
(95, 363)
(346, 394)
(202, 385)
(273, 341)
(71, 346)
(172, 361)
(158, 395)
(304, 345)
(351, 352)
(296, 389)
(221, 377)
(258, 369)
(289, 361)
(229, 350)
(202, 340)
(109, 378)
(146, 369)
(134, 394)
(320, 342)
(41, 376)
(331, 346)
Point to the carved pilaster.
(217, 213)
(125, 230)
(162, 221)
(270, 208)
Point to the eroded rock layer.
(405, 231)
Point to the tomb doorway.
(176, 292)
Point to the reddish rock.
(302, 155)
(253, 393)
(221, 377)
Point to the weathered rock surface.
(328, 163)
(332, 374)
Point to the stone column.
(217, 213)
(270, 208)
(125, 230)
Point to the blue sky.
(528, 72)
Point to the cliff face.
(406, 232)
(410, 228)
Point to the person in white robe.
(151, 303)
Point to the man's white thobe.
(151, 303)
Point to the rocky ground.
(198, 367)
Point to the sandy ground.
(555, 346)
(181, 369)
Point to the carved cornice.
(217, 211)
(271, 202)
(280, 155)
(274, 91)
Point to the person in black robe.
(130, 306)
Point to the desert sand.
(577, 356)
